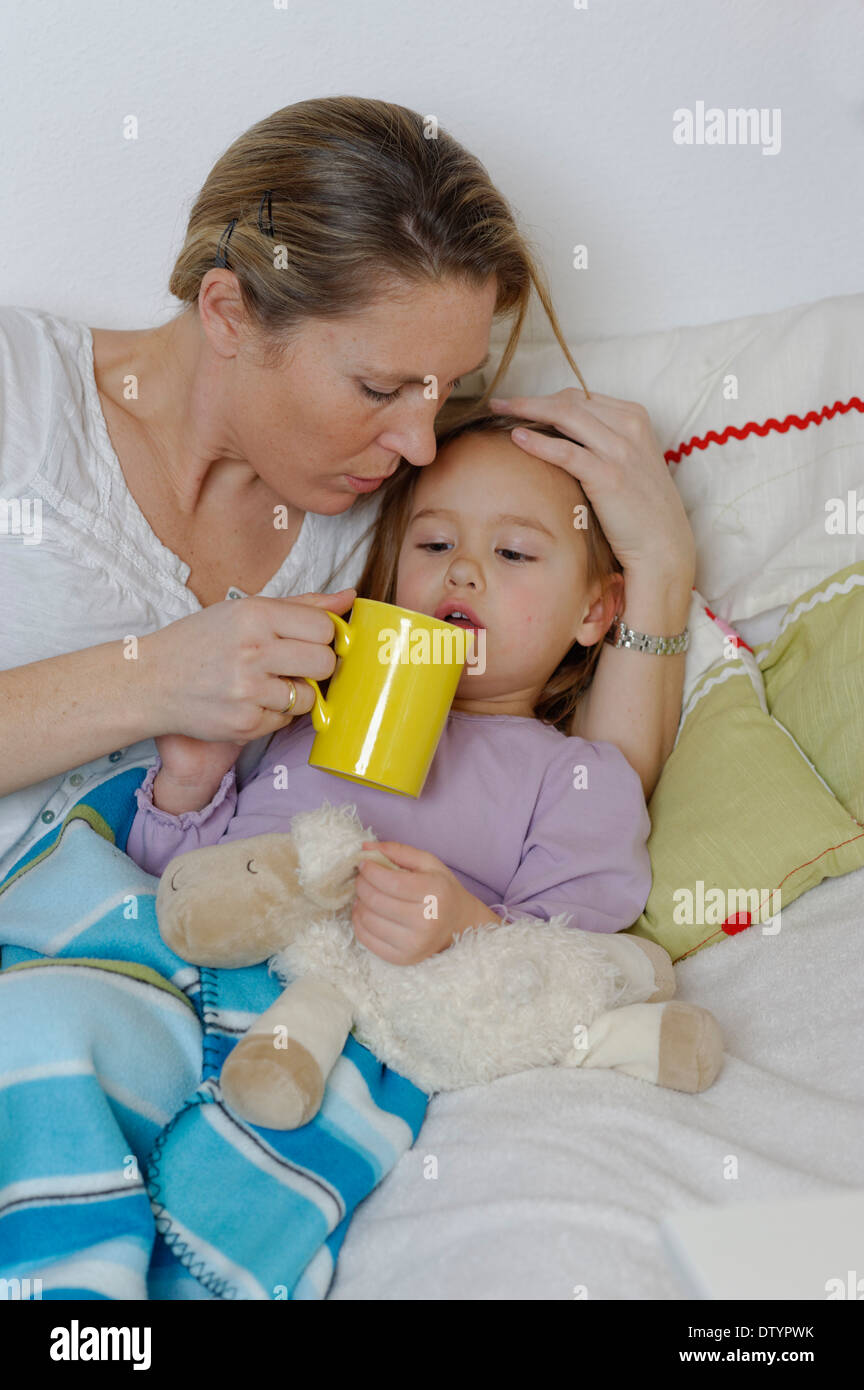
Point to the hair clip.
(267, 197)
(220, 258)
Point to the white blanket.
(552, 1179)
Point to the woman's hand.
(404, 915)
(616, 458)
(220, 675)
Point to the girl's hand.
(622, 470)
(194, 763)
(191, 772)
(220, 675)
(404, 915)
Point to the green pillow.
(742, 819)
(814, 681)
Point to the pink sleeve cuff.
(144, 797)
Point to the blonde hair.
(359, 196)
(574, 673)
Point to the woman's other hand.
(633, 702)
(221, 675)
(618, 461)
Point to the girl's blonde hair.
(361, 193)
(574, 673)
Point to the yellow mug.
(389, 696)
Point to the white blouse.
(79, 563)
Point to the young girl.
(516, 817)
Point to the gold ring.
(292, 702)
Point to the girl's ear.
(615, 595)
(598, 620)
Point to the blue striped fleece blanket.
(123, 1175)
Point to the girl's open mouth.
(460, 614)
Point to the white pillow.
(757, 505)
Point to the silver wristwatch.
(620, 635)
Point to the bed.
(553, 1184)
(554, 1181)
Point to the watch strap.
(620, 635)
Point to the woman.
(340, 272)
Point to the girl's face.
(491, 531)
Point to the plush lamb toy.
(500, 999)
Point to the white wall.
(570, 109)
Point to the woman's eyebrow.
(382, 374)
(505, 518)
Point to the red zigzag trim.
(733, 432)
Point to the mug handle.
(319, 711)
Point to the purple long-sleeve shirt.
(533, 823)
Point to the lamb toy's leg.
(651, 1035)
(274, 1079)
(670, 1044)
(647, 966)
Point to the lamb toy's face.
(241, 901)
(231, 904)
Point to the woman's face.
(491, 531)
(310, 425)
